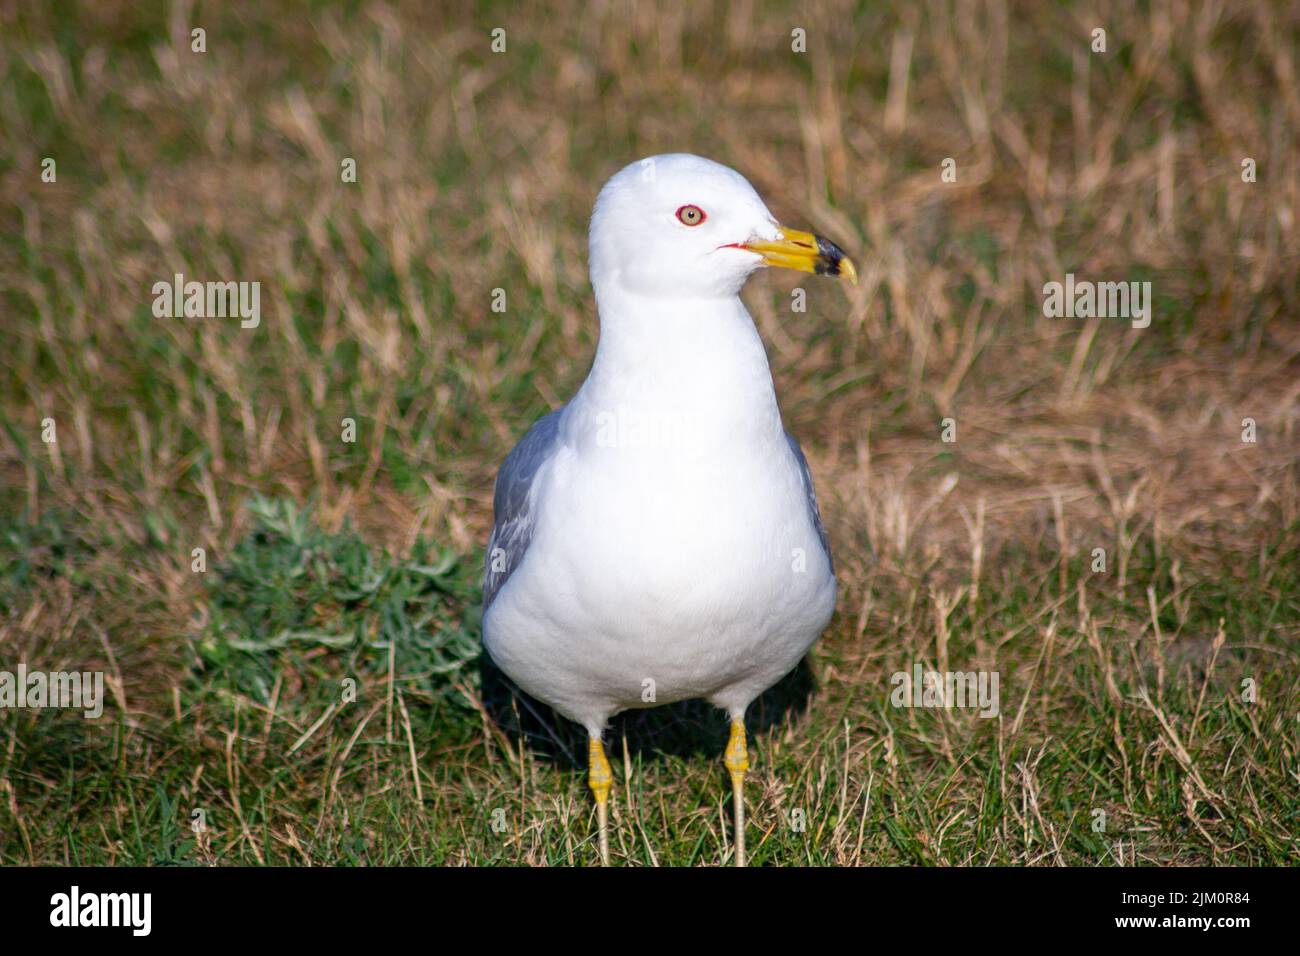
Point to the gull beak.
(805, 252)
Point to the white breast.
(672, 557)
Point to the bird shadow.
(689, 728)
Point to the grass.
(315, 694)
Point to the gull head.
(679, 226)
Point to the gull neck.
(699, 356)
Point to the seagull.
(657, 538)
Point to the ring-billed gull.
(657, 538)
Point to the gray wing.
(513, 518)
(813, 511)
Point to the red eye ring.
(689, 215)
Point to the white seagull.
(657, 538)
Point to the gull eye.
(690, 215)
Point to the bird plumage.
(657, 538)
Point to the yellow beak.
(805, 252)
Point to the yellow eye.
(691, 215)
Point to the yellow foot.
(599, 778)
(737, 760)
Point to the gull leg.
(599, 778)
(737, 760)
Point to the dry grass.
(1121, 691)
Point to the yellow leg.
(737, 761)
(599, 778)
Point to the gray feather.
(512, 503)
(813, 511)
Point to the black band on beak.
(829, 257)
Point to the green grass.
(293, 610)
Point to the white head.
(678, 226)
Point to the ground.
(971, 453)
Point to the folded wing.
(513, 502)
